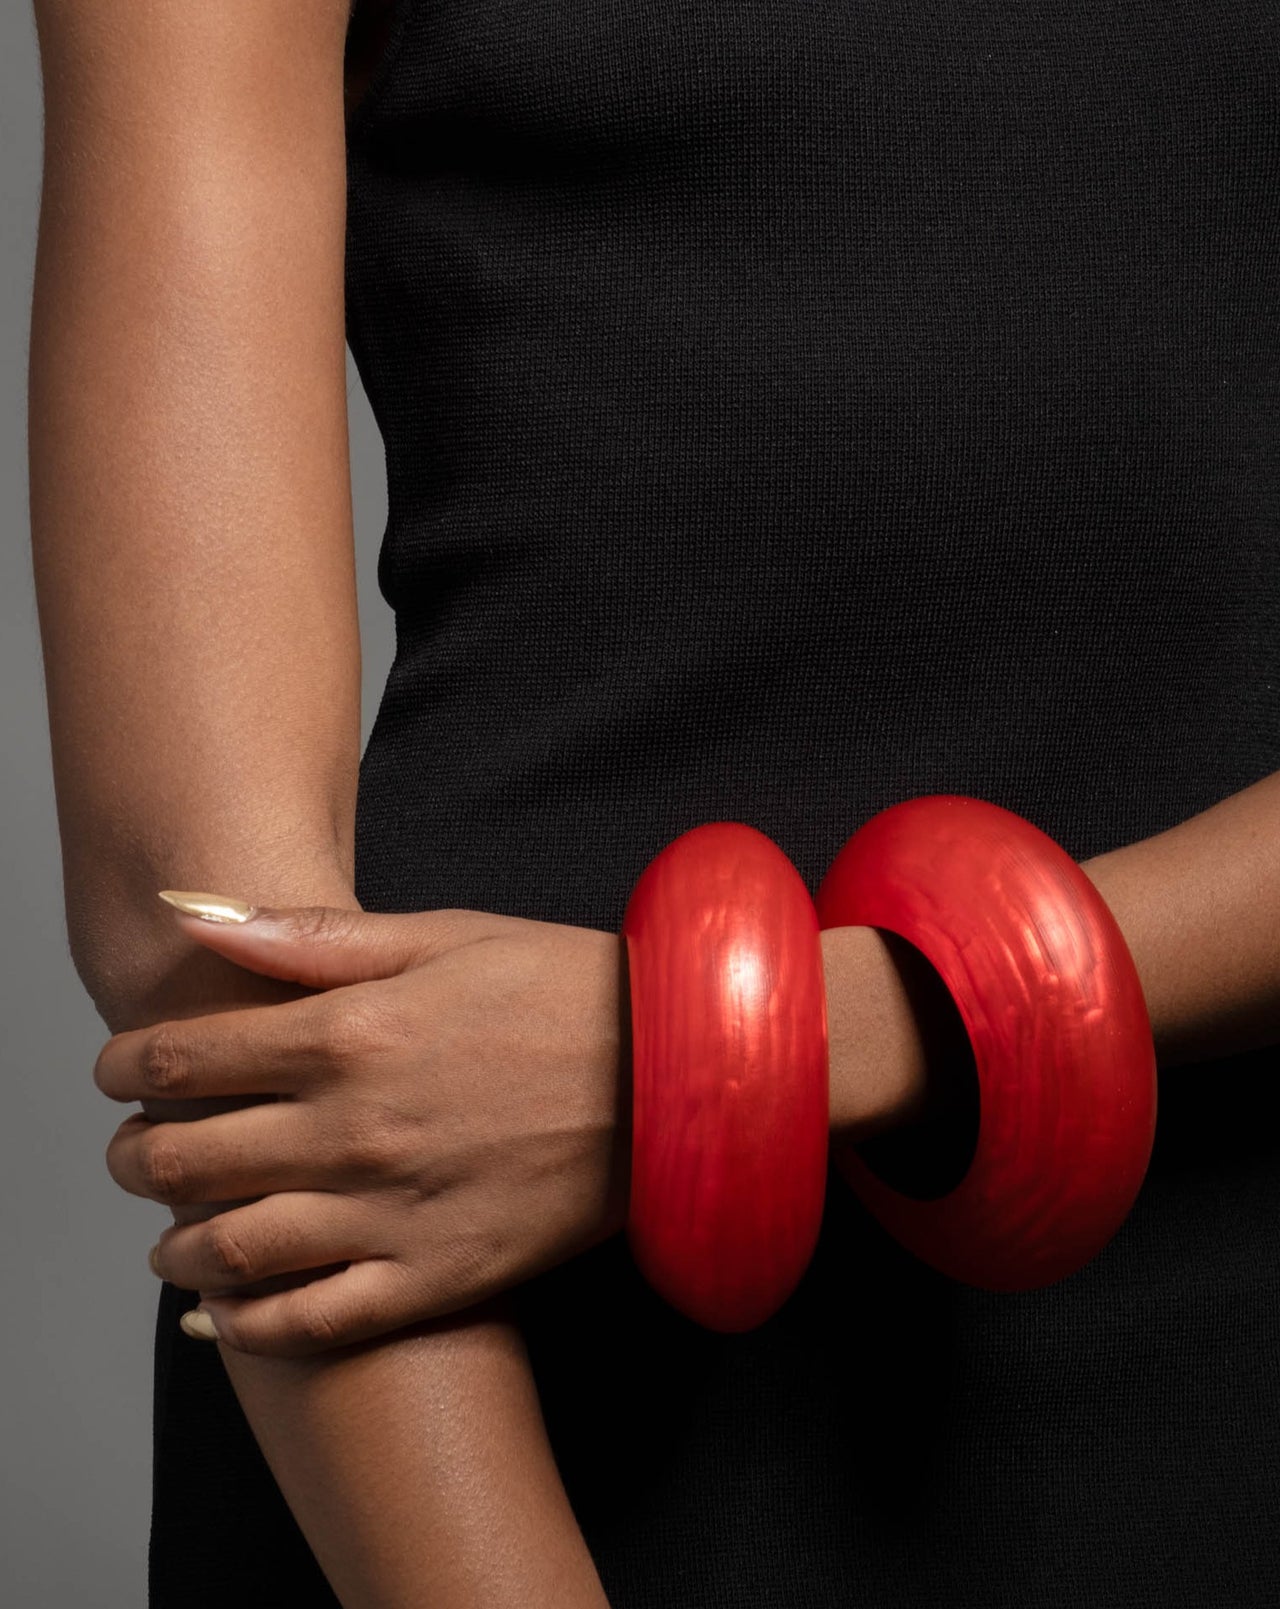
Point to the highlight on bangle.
(730, 1066)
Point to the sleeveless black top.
(793, 406)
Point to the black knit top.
(793, 406)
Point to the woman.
(788, 410)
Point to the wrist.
(897, 1041)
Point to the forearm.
(417, 1466)
(418, 1469)
(1198, 907)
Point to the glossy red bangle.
(1062, 1044)
(730, 1075)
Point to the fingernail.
(212, 907)
(151, 1258)
(198, 1324)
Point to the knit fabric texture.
(791, 407)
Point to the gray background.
(78, 1297)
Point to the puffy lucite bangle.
(730, 1092)
(1062, 1043)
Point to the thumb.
(318, 945)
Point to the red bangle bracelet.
(1062, 1044)
(730, 1075)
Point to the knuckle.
(345, 1026)
(316, 1324)
(366, 1147)
(163, 1066)
(228, 1255)
(322, 924)
(162, 1169)
(360, 1024)
(482, 1261)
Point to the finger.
(286, 1233)
(367, 1299)
(316, 945)
(252, 1152)
(274, 1049)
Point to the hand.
(446, 1119)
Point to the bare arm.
(1198, 906)
(192, 543)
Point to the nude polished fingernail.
(212, 907)
(151, 1258)
(198, 1325)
